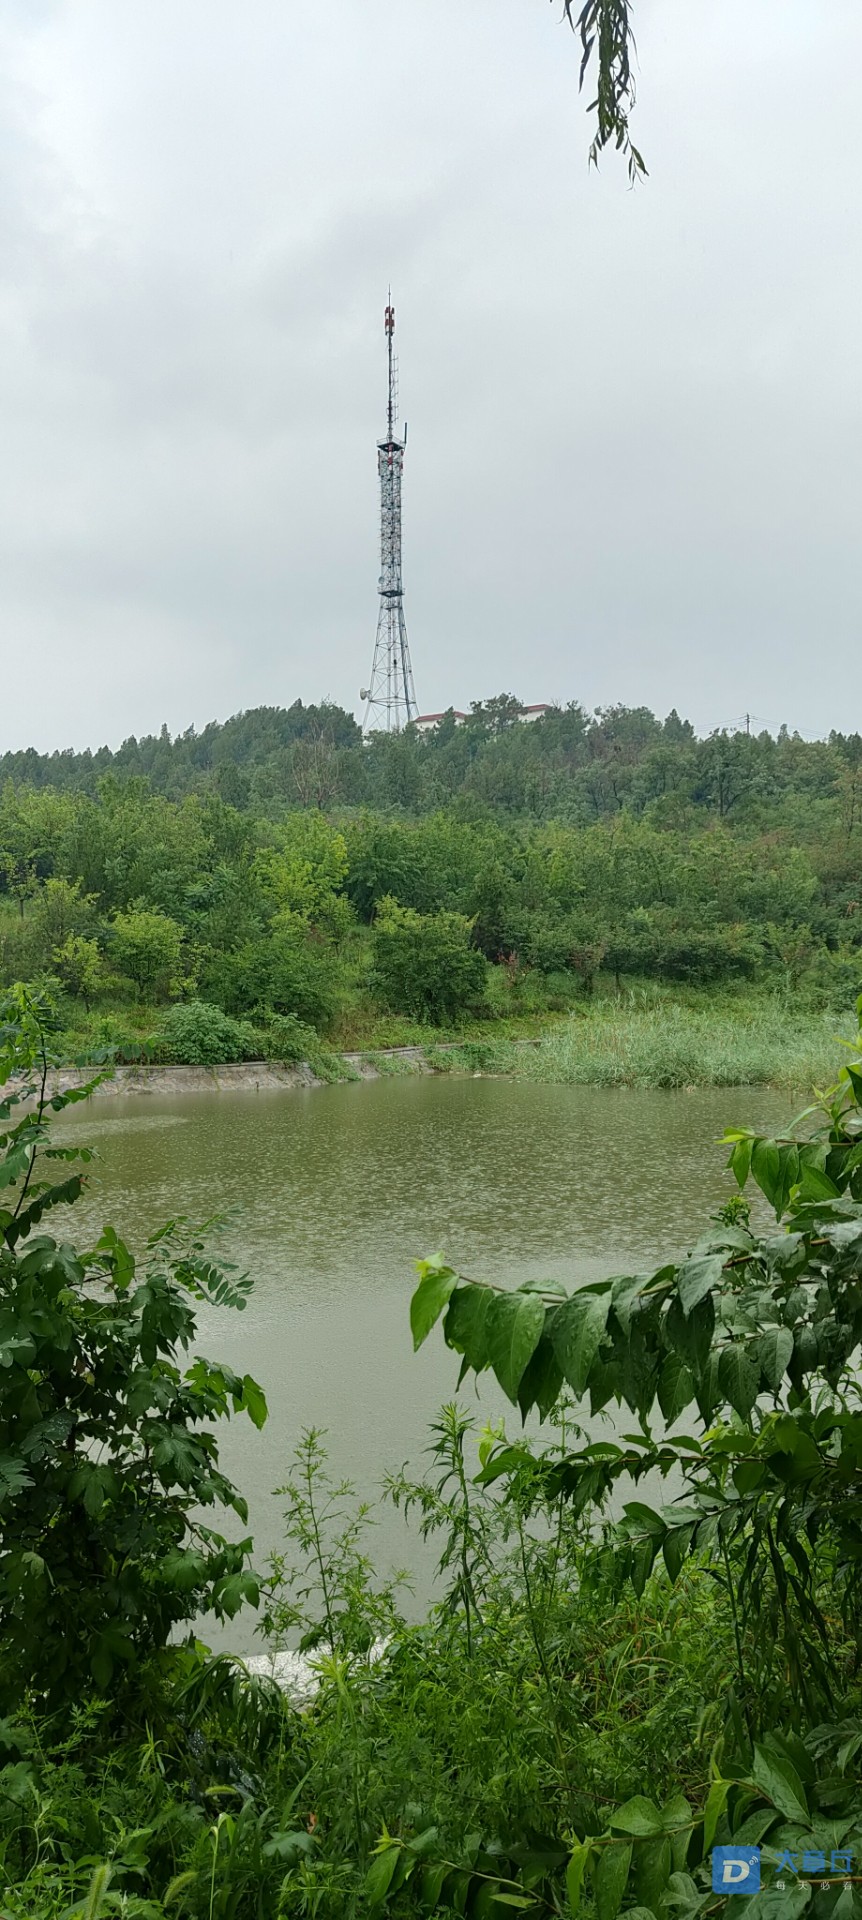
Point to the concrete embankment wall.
(254, 1076)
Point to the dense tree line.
(277, 866)
(569, 765)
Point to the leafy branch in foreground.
(106, 1453)
(605, 31)
(757, 1335)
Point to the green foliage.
(202, 1036)
(426, 964)
(757, 1335)
(288, 1039)
(122, 1039)
(582, 850)
(78, 965)
(653, 1041)
(323, 1587)
(607, 40)
(291, 972)
(146, 947)
(106, 1453)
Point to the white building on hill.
(426, 722)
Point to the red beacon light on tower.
(389, 322)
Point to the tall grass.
(756, 1043)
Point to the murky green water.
(338, 1190)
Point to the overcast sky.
(633, 461)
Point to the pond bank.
(665, 1046)
(249, 1076)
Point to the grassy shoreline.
(670, 1045)
(655, 1042)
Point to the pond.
(335, 1191)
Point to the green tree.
(290, 970)
(107, 1457)
(78, 965)
(147, 948)
(306, 868)
(425, 963)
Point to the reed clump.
(622, 1044)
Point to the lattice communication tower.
(390, 699)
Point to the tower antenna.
(390, 699)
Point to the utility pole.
(390, 699)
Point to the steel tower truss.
(390, 699)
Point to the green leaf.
(380, 1874)
(515, 1325)
(466, 1322)
(773, 1351)
(815, 1184)
(675, 1548)
(183, 1568)
(576, 1332)
(646, 1518)
(62, 1195)
(541, 1381)
(779, 1780)
(14, 1164)
(652, 1869)
(676, 1814)
(697, 1277)
(740, 1162)
(642, 1558)
(254, 1401)
(13, 1476)
(610, 1878)
(716, 1801)
(675, 1387)
(766, 1168)
(738, 1379)
(638, 1817)
(575, 1875)
(432, 1883)
(780, 1906)
(624, 1293)
(691, 1334)
(747, 1475)
(102, 1665)
(433, 1293)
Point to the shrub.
(288, 1039)
(106, 1453)
(112, 1035)
(147, 949)
(195, 1034)
(78, 963)
(425, 964)
(291, 971)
